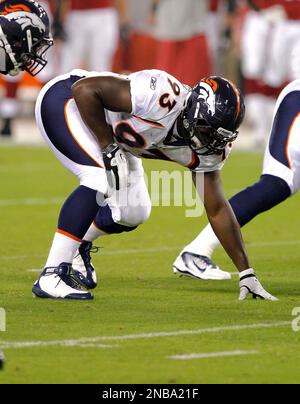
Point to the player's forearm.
(91, 109)
(228, 232)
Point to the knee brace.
(132, 216)
(268, 192)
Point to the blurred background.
(254, 43)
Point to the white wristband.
(247, 272)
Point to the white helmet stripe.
(29, 40)
(8, 49)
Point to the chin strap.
(10, 53)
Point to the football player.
(24, 37)
(280, 176)
(99, 126)
(9, 106)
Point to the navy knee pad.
(104, 221)
(268, 192)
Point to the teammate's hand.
(116, 165)
(249, 284)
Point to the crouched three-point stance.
(93, 209)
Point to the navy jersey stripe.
(283, 121)
(56, 127)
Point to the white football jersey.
(150, 131)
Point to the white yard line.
(35, 270)
(63, 343)
(156, 199)
(31, 201)
(273, 243)
(164, 334)
(154, 250)
(40, 270)
(211, 355)
(103, 251)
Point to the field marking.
(159, 249)
(34, 270)
(63, 343)
(156, 198)
(211, 355)
(94, 340)
(31, 201)
(40, 270)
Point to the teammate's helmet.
(213, 114)
(24, 37)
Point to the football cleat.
(83, 270)
(198, 267)
(59, 283)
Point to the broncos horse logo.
(207, 94)
(14, 8)
(26, 19)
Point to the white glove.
(117, 169)
(249, 284)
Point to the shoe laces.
(87, 250)
(67, 278)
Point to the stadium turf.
(143, 315)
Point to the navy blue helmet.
(214, 112)
(25, 37)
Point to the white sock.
(205, 243)
(63, 250)
(93, 233)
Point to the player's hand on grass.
(117, 170)
(249, 284)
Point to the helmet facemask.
(205, 140)
(34, 61)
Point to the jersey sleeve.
(153, 96)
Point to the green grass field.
(139, 298)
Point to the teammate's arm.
(222, 220)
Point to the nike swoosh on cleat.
(202, 270)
